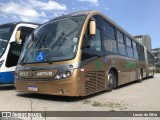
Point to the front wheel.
(111, 81)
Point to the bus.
(80, 54)
(12, 38)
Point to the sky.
(137, 17)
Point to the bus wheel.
(140, 76)
(111, 81)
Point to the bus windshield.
(5, 34)
(56, 40)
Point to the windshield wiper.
(33, 39)
(48, 59)
(41, 42)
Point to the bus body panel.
(6, 77)
(65, 87)
(91, 76)
(7, 73)
(89, 79)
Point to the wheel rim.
(140, 77)
(110, 81)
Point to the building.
(156, 53)
(145, 40)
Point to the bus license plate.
(32, 88)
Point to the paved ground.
(135, 96)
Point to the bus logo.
(44, 74)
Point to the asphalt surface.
(144, 96)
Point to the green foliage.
(158, 70)
(158, 65)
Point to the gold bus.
(80, 54)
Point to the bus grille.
(96, 81)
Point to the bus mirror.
(92, 28)
(18, 34)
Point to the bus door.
(16, 46)
(92, 56)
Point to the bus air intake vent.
(95, 82)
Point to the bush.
(158, 66)
(158, 70)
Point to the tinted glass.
(129, 52)
(5, 34)
(134, 45)
(120, 37)
(109, 31)
(94, 42)
(150, 58)
(110, 45)
(135, 54)
(54, 41)
(121, 49)
(128, 42)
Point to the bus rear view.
(12, 38)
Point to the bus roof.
(117, 26)
(85, 12)
(15, 23)
(90, 12)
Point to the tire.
(111, 81)
(140, 77)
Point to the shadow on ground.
(57, 98)
(6, 87)
(70, 99)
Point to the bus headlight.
(59, 76)
(68, 73)
(63, 75)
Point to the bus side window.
(15, 48)
(95, 43)
(92, 45)
(129, 47)
(110, 43)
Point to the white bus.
(12, 38)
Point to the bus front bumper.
(62, 87)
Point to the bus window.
(121, 45)
(140, 53)
(129, 47)
(5, 34)
(109, 38)
(57, 40)
(128, 42)
(109, 31)
(135, 50)
(134, 45)
(129, 52)
(15, 48)
(110, 45)
(95, 42)
(120, 37)
(92, 45)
